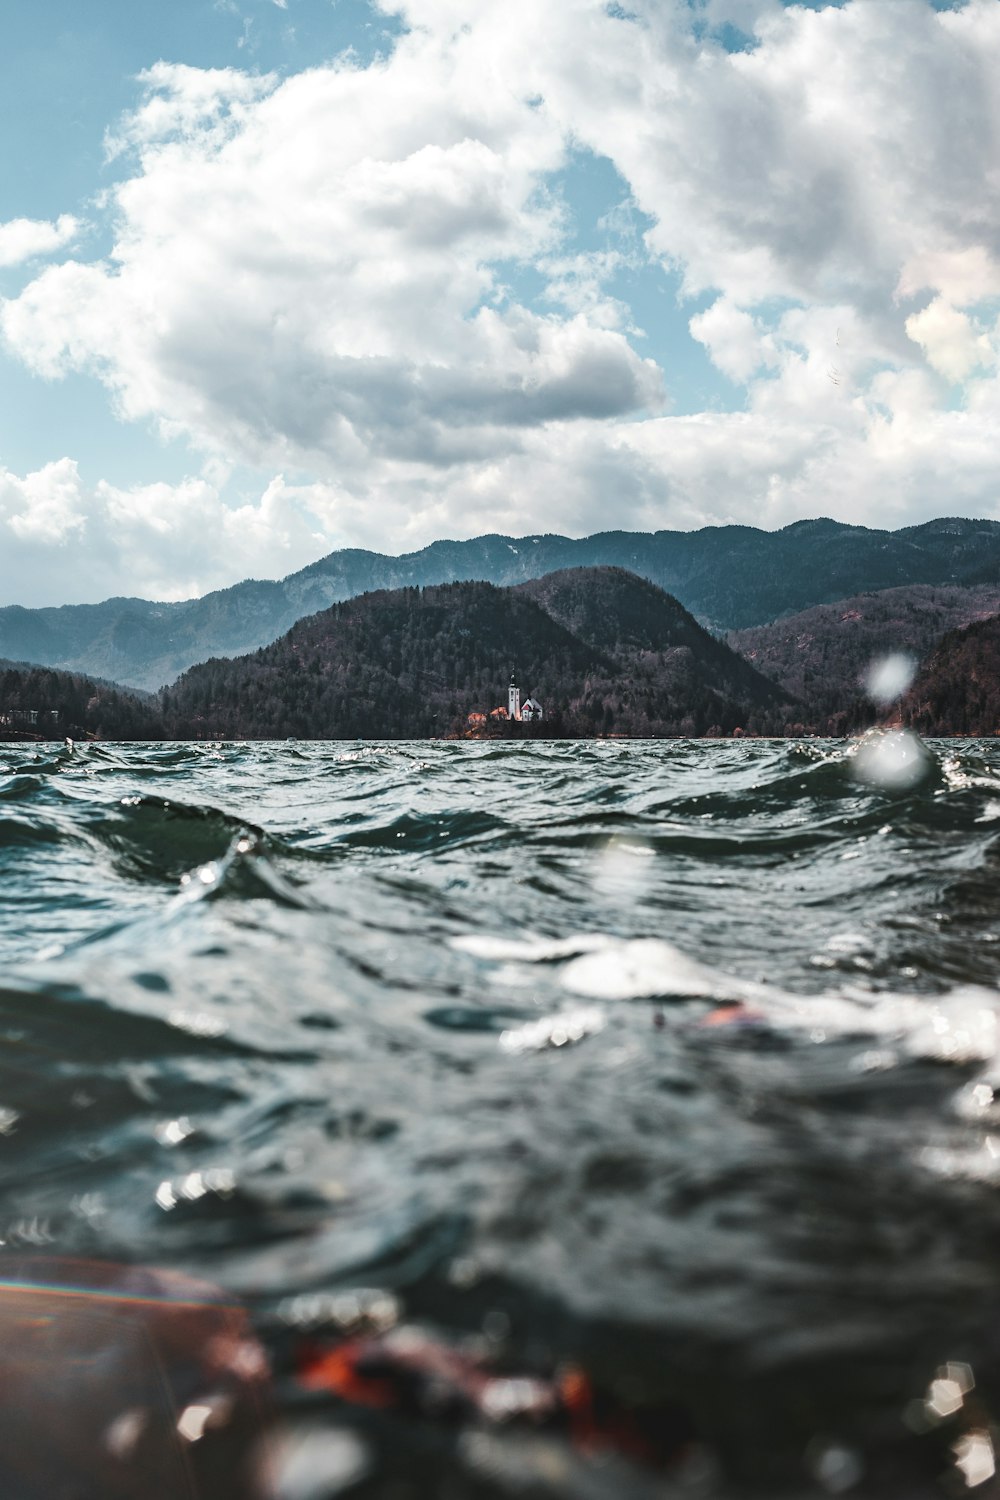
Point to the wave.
(676, 1063)
(426, 833)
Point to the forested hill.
(958, 689)
(411, 662)
(821, 655)
(729, 577)
(631, 619)
(39, 703)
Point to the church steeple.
(513, 698)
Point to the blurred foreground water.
(570, 1119)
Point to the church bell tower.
(513, 699)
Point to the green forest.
(958, 692)
(416, 662)
(43, 703)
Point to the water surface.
(673, 1061)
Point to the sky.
(283, 276)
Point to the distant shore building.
(518, 712)
(27, 718)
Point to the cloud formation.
(163, 541)
(26, 239)
(306, 273)
(313, 276)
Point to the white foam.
(526, 949)
(643, 968)
(962, 1026)
(558, 1030)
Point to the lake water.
(667, 1063)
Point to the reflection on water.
(570, 1119)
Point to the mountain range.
(607, 652)
(728, 577)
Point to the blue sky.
(278, 277)
(68, 71)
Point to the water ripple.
(678, 1062)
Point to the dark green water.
(674, 1060)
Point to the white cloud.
(311, 276)
(892, 462)
(734, 339)
(64, 541)
(24, 239)
(806, 168)
(46, 508)
(579, 284)
(304, 272)
(183, 101)
(952, 342)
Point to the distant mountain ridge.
(728, 577)
(411, 662)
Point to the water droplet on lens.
(974, 1458)
(837, 1468)
(165, 1196)
(895, 760)
(496, 1325)
(192, 1422)
(888, 677)
(121, 1437)
(172, 1132)
(319, 1464)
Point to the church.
(516, 712)
(524, 713)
